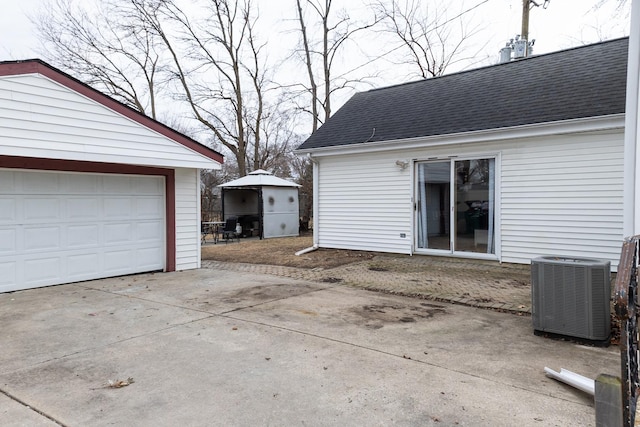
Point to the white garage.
(88, 187)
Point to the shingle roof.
(581, 82)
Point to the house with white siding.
(90, 188)
(506, 162)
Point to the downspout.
(316, 192)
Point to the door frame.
(59, 165)
(497, 255)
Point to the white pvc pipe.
(575, 380)
(307, 250)
(316, 198)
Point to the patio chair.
(204, 230)
(229, 230)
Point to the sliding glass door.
(455, 205)
(434, 194)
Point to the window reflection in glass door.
(474, 205)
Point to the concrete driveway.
(210, 347)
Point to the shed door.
(66, 227)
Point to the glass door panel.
(474, 201)
(433, 205)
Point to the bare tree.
(622, 4)
(302, 171)
(324, 34)
(214, 62)
(107, 49)
(432, 37)
(220, 72)
(320, 53)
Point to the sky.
(564, 23)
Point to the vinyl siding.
(555, 196)
(187, 219)
(41, 118)
(563, 196)
(365, 204)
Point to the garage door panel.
(89, 184)
(118, 233)
(119, 261)
(118, 207)
(81, 266)
(83, 208)
(40, 183)
(117, 184)
(40, 238)
(8, 241)
(83, 236)
(8, 210)
(147, 257)
(81, 227)
(149, 230)
(42, 270)
(148, 207)
(7, 182)
(7, 275)
(41, 208)
(148, 186)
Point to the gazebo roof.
(259, 178)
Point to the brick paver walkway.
(475, 283)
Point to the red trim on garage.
(94, 167)
(33, 66)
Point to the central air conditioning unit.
(571, 297)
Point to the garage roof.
(15, 73)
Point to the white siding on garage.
(563, 196)
(365, 203)
(559, 195)
(187, 219)
(63, 124)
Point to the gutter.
(562, 127)
(316, 192)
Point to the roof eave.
(37, 66)
(587, 124)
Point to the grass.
(281, 251)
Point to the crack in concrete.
(32, 408)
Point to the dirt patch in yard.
(281, 251)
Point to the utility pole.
(526, 7)
(521, 47)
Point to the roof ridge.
(499, 64)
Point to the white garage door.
(65, 227)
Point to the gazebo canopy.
(259, 178)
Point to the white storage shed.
(265, 205)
